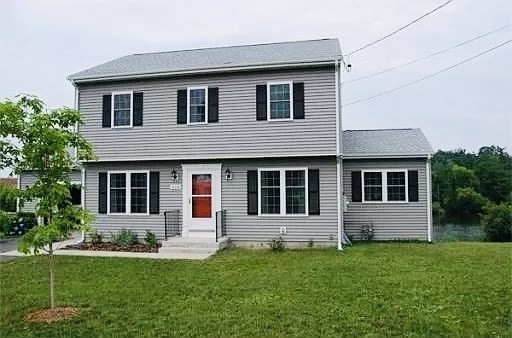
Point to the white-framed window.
(128, 192)
(283, 191)
(122, 109)
(384, 186)
(279, 101)
(197, 105)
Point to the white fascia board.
(199, 71)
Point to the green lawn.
(375, 290)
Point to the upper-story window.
(280, 101)
(122, 109)
(197, 107)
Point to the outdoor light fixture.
(229, 175)
(174, 175)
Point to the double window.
(122, 109)
(280, 101)
(128, 192)
(385, 186)
(283, 191)
(197, 105)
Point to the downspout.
(18, 185)
(429, 199)
(339, 171)
(82, 170)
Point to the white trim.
(82, 192)
(18, 185)
(203, 157)
(429, 200)
(339, 160)
(112, 108)
(282, 191)
(128, 191)
(384, 178)
(77, 96)
(201, 71)
(205, 88)
(275, 83)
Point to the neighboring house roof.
(10, 181)
(385, 143)
(209, 59)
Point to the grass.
(374, 290)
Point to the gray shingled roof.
(215, 58)
(385, 142)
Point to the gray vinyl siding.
(240, 226)
(252, 228)
(28, 179)
(236, 135)
(390, 220)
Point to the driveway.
(8, 244)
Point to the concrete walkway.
(8, 245)
(13, 252)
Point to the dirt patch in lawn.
(52, 315)
(106, 246)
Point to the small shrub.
(311, 243)
(150, 239)
(497, 221)
(96, 238)
(6, 221)
(277, 244)
(125, 237)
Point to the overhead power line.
(400, 29)
(428, 76)
(429, 55)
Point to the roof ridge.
(232, 46)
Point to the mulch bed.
(139, 247)
(52, 315)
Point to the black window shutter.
(357, 191)
(252, 192)
(182, 106)
(261, 102)
(107, 110)
(314, 191)
(413, 185)
(137, 108)
(213, 105)
(102, 189)
(154, 192)
(298, 100)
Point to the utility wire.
(428, 76)
(429, 55)
(399, 29)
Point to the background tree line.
(474, 188)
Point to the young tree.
(32, 138)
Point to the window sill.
(283, 216)
(383, 202)
(121, 127)
(128, 214)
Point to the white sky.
(42, 42)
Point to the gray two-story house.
(244, 142)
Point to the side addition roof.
(210, 59)
(385, 143)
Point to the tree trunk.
(52, 276)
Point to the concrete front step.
(199, 243)
(187, 250)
